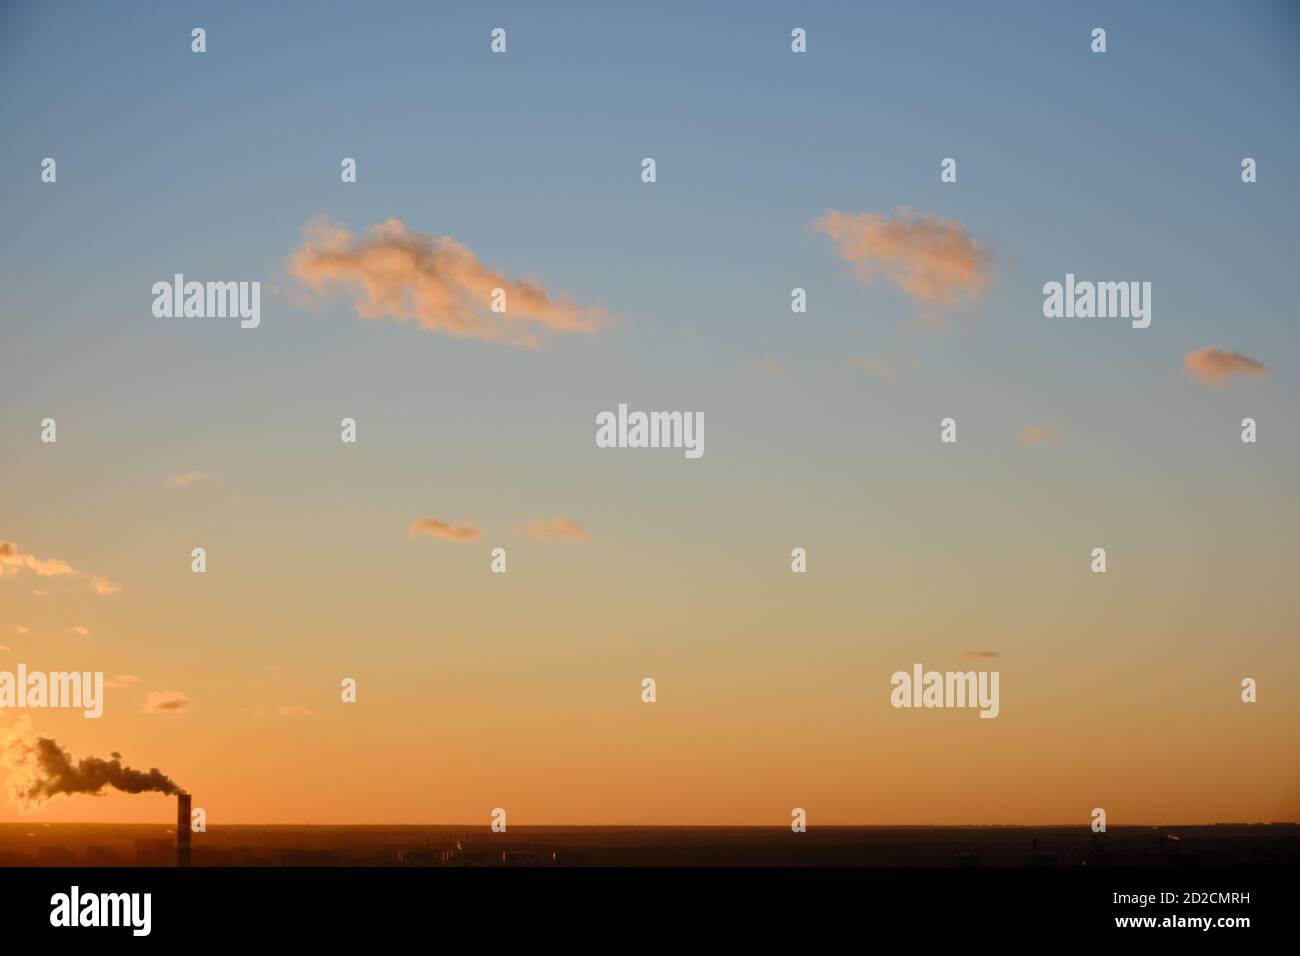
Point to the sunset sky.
(774, 171)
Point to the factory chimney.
(182, 829)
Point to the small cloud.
(80, 631)
(976, 655)
(554, 529)
(1214, 367)
(900, 364)
(21, 630)
(13, 561)
(874, 366)
(935, 261)
(766, 366)
(435, 281)
(166, 702)
(290, 710)
(434, 528)
(1040, 434)
(4, 648)
(188, 479)
(122, 680)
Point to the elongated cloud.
(400, 274)
(976, 655)
(1214, 367)
(554, 529)
(434, 528)
(12, 561)
(166, 702)
(188, 479)
(121, 680)
(934, 260)
(1040, 434)
(40, 769)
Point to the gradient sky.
(522, 690)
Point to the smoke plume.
(40, 769)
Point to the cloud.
(437, 282)
(166, 702)
(80, 631)
(290, 710)
(122, 680)
(4, 648)
(188, 479)
(767, 366)
(441, 529)
(934, 260)
(554, 529)
(1214, 367)
(976, 655)
(1040, 434)
(13, 561)
(900, 363)
(20, 630)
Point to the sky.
(774, 171)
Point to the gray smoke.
(43, 769)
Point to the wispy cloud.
(166, 702)
(901, 363)
(397, 273)
(933, 260)
(766, 366)
(1040, 434)
(13, 561)
(20, 630)
(122, 680)
(434, 528)
(188, 479)
(80, 631)
(292, 710)
(1214, 367)
(554, 529)
(976, 655)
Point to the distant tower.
(182, 829)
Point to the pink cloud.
(397, 273)
(13, 561)
(166, 702)
(932, 259)
(1214, 367)
(434, 528)
(554, 529)
(1040, 434)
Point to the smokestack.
(182, 829)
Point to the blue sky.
(1116, 166)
